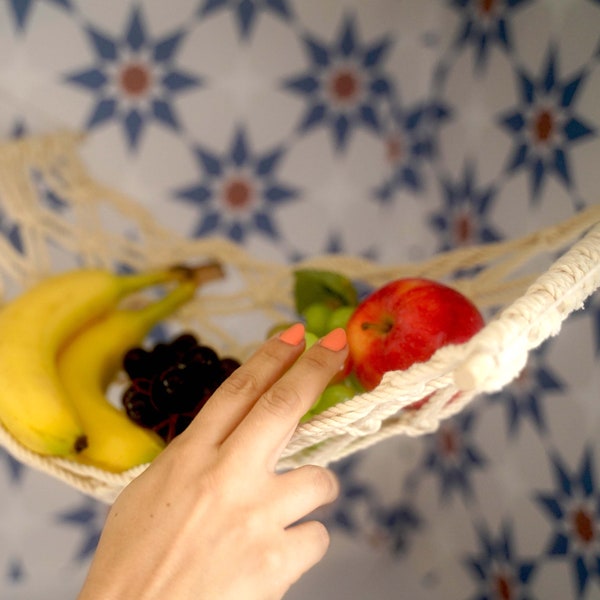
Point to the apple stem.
(382, 327)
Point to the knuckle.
(241, 382)
(324, 481)
(270, 555)
(253, 524)
(271, 354)
(281, 400)
(272, 560)
(316, 360)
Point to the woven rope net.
(58, 216)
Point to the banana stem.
(191, 278)
(199, 274)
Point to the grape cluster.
(171, 382)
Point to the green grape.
(278, 328)
(314, 285)
(339, 317)
(333, 394)
(352, 382)
(316, 316)
(310, 339)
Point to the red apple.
(405, 322)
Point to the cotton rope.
(92, 224)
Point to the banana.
(33, 328)
(89, 363)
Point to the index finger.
(230, 404)
(262, 435)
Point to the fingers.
(262, 435)
(306, 545)
(283, 560)
(303, 490)
(233, 400)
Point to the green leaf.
(313, 285)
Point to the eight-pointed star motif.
(238, 191)
(497, 570)
(574, 510)
(452, 454)
(464, 218)
(410, 142)
(344, 86)
(485, 22)
(134, 79)
(544, 125)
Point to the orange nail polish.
(293, 335)
(335, 340)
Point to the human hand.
(210, 518)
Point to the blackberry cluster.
(171, 382)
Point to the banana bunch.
(61, 345)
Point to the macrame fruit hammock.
(62, 215)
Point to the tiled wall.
(392, 129)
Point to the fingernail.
(335, 340)
(293, 335)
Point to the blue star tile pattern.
(15, 468)
(485, 23)
(246, 11)
(545, 125)
(342, 514)
(345, 86)
(452, 455)
(573, 509)
(21, 10)
(388, 77)
(465, 217)
(12, 232)
(15, 571)
(239, 191)
(396, 524)
(134, 79)
(46, 194)
(8, 228)
(334, 244)
(410, 142)
(19, 130)
(89, 517)
(497, 571)
(593, 310)
(524, 398)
